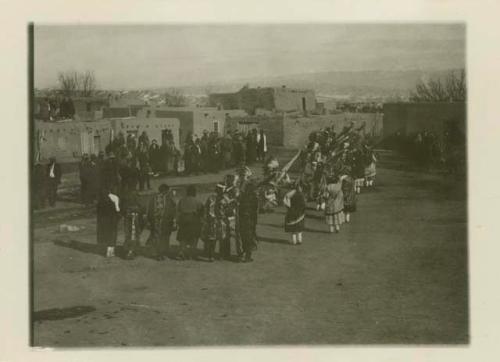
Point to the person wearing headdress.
(189, 217)
(232, 194)
(161, 215)
(132, 213)
(295, 203)
(108, 214)
(334, 205)
(215, 223)
(248, 211)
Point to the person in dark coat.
(53, 177)
(251, 149)
(39, 186)
(84, 173)
(161, 216)
(110, 177)
(155, 157)
(295, 213)
(108, 215)
(189, 214)
(248, 211)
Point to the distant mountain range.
(336, 84)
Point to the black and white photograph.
(259, 184)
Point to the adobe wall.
(287, 100)
(272, 126)
(296, 130)
(67, 141)
(152, 126)
(204, 120)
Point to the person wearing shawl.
(334, 207)
(189, 213)
(161, 216)
(248, 211)
(108, 214)
(295, 214)
(349, 191)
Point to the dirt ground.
(397, 274)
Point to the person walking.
(295, 203)
(189, 213)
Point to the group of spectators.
(53, 109)
(212, 152)
(428, 150)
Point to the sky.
(149, 56)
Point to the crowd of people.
(331, 171)
(212, 152)
(426, 150)
(230, 212)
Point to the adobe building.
(275, 99)
(67, 141)
(191, 119)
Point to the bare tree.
(175, 98)
(68, 82)
(87, 83)
(453, 88)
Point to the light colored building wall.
(67, 141)
(286, 100)
(152, 126)
(296, 130)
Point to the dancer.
(295, 214)
(334, 208)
